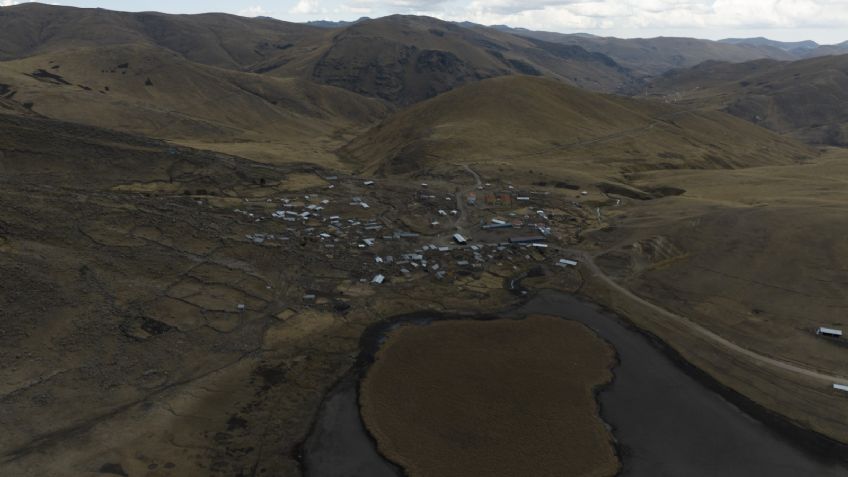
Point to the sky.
(825, 21)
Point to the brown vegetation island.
(495, 398)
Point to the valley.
(205, 219)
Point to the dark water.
(670, 424)
(666, 422)
(339, 445)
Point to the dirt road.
(462, 223)
(695, 328)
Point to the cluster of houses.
(383, 249)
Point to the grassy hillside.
(526, 123)
(401, 59)
(95, 228)
(405, 59)
(155, 92)
(755, 255)
(802, 98)
(214, 39)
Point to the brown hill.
(37, 150)
(798, 49)
(654, 56)
(405, 59)
(156, 92)
(402, 59)
(525, 123)
(214, 39)
(803, 98)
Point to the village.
(384, 234)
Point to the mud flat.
(667, 419)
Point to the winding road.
(720, 341)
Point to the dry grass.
(520, 124)
(123, 261)
(144, 90)
(803, 98)
(407, 59)
(497, 398)
(757, 256)
(103, 233)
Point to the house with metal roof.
(829, 332)
(527, 239)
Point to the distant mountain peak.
(783, 45)
(335, 24)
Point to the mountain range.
(200, 215)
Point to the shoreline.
(782, 426)
(808, 441)
(436, 381)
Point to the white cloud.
(397, 6)
(252, 11)
(630, 15)
(9, 3)
(616, 17)
(355, 9)
(306, 7)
